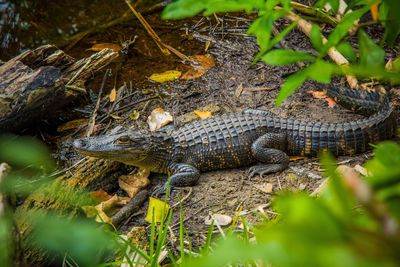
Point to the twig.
(319, 14)
(92, 119)
(334, 54)
(166, 49)
(134, 204)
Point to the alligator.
(241, 139)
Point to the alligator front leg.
(181, 175)
(269, 149)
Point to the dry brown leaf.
(70, 125)
(133, 183)
(99, 47)
(220, 219)
(203, 114)
(166, 76)
(99, 211)
(203, 64)
(331, 102)
(294, 158)
(99, 196)
(322, 95)
(113, 95)
(159, 118)
(266, 188)
(360, 169)
(317, 94)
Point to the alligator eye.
(123, 140)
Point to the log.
(36, 85)
(56, 198)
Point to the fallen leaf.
(113, 95)
(157, 209)
(70, 125)
(266, 187)
(361, 170)
(158, 118)
(203, 63)
(99, 211)
(99, 47)
(331, 102)
(99, 196)
(203, 114)
(191, 116)
(322, 95)
(134, 115)
(132, 183)
(375, 11)
(166, 76)
(317, 94)
(294, 158)
(239, 90)
(220, 219)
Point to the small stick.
(92, 120)
(333, 53)
(165, 49)
(134, 205)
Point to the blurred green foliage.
(367, 63)
(336, 229)
(68, 240)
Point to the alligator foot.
(159, 191)
(263, 169)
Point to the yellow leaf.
(166, 76)
(158, 208)
(113, 95)
(99, 47)
(203, 114)
(134, 115)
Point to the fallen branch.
(166, 49)
(333, 53)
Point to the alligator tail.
(348, 138)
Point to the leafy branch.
(367, 62)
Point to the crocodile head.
(130, 146)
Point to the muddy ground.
(224, 191)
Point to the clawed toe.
(262, 170)
(159, 191)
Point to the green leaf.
(189, 8)
(343, 27)
(371, 54)
(291, 84)
(262, 29)
(321, 71)
(389, 12)
(347, 50)
(333, 3)
(25, 152)
(183, 8)
(283, 57)
(385, 166)
(279, 37)
(316, 37)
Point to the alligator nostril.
(79, 143)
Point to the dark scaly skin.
(242, 139)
